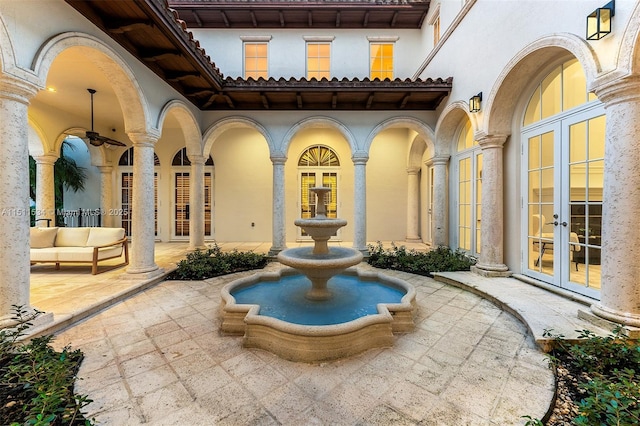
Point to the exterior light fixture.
(474, 103)
(599, 21)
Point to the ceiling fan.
(95, 138)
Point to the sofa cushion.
(85, 254)
(42, 237)
(104, 236)
(72, 237)
(49, 254)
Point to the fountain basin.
(319, 268)
(315, 343)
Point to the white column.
(278, 238)
(14, 197)
(45, 190)
(106, 196)
(620, 292)
(440, 208)
(360, 201)
(413, 204)
(143, 224)
(196, 201)
(491, 258)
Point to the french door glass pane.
(586, 168)
(541, 197)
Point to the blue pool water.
(285, 299)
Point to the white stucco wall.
(243, 187)
(287, 50)
(387, 186)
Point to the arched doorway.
(563, 136)
(467, 164)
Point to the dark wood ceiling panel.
(303, 14)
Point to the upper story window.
(318, 57)
(381, 57)
(256, 57)
(564, 88)
(436, 30)
(433, 19)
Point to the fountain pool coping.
(316, 343)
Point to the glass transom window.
(563, 89)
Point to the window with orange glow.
(436, 31)
(381, 58)
(319, 60)
(256, 60)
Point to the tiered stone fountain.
(345, 310)
(320, 263)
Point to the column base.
(273, 251)
(491, 271)
(198, 247)
(622, 318)
(413, 240)
(143, 273)
(605, 324)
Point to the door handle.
(564, 224)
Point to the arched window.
(319, 166)
(181, 202)
(126, 189)
(468, 160)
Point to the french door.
(308, 202)
(126, 202)
(562, 201)
(182, 205)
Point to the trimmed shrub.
(421, 263)
(203, 264)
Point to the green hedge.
(422, 263)
(203, 264)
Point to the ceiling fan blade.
(110, 141)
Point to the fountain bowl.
(317, 343)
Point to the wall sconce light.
(474, 103)
(599, 21)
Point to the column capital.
(360, 157)
(614, 89)
(197, 158)
(49, 159)
(278, 159)
(442, 160)
(147, 139)
(105, 169)
(413, 170)
(490, 141)
(17, 89)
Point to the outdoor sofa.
(78, 245)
